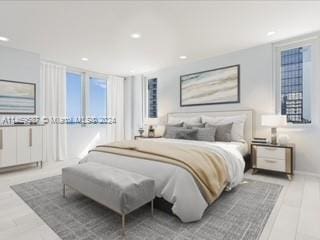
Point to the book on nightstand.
(259, 140)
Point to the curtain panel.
(53, 81)
(115, 108)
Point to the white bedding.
(242, 147)
(173, 183)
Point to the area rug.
(240, 214)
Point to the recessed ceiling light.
(271, 33)
(183, 57)
(4, 39)
(135, 35)
(132, 71)
(84, 59)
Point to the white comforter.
(173, 183)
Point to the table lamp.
(273, 121)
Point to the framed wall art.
(217, 86)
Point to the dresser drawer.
(271, 152)
(271, 164)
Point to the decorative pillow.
(206, 134)
(187, 120)
(180, 133)
(223, 132)
(178, 125)
(171, 129)
(175, 125)
(187, 134)
(237, 132)
(189, 126)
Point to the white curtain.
(115, 108)
(53, 80)
(136, 104)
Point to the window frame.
(82, 80)
(148, 105)
(99, 77)
(313, 42)
(85, 90)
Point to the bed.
(175, 185)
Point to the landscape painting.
(17, 97)
(218, 86)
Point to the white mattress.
(242, 147)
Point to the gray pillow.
(223, 132)
(206, 134)
(178, 125)
(199, 125)
(187, 134)
(180, 133)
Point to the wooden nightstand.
(145, 137)
(271, 157)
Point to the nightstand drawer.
(271, 152)
(271, 164)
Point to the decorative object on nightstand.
(141, 131)
(273, 121)
(277, 158)
(151, 122)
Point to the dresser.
(271, 157)
(21, 145)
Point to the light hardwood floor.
(296, 215)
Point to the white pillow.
(187, 120)
(237, 131)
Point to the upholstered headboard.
(248, 128)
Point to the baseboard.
(307, 173)
(18, 167)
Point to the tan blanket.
(207, 167)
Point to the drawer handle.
(1, 139)
(270, 149)
(270, 161)
(30, 137)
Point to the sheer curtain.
(136, 89)
(115, 108)
(53, 80)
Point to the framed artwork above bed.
(17, 97)
(217, 86)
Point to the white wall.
(256, 81)
(21, 66)
(82, 139)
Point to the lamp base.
(274, 136)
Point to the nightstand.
(272, 157)
(145, 137)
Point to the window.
(86, 97)
(295, 64)
(74, 97)
(152, 98)
(98, 97)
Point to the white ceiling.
(99, 30)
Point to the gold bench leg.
(123, 224)
(64, 190)
(152, 208)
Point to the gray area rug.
(239, 214)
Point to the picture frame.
(17, 97)
(215, 86)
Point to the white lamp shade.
(273, 120)
(151, 121)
